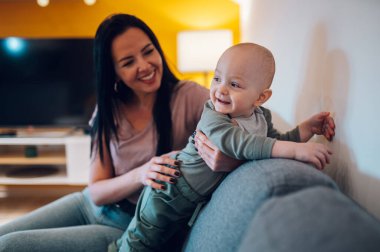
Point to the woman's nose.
(143, 65)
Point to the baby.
(235, 122)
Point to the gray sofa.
(281, 205)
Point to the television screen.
(46, 82)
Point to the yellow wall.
(72, 18)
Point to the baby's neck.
(244, 115)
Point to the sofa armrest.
(315, 219)
(224, 220)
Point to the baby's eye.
(235, 84)
(216, 78)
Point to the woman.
(143, 113)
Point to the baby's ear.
(264, 96)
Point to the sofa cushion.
(313, 220)
(223, 221)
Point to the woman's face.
(137, 62)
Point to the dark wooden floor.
(19, 200)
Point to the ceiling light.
(89, 2)
(43, 3)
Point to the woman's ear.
(264, 96)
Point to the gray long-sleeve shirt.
(232, 141)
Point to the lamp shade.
(199, 51)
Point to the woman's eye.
(149, 51)
(128, 63)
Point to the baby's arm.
(292, 135)
(231, 140)
(238, 144)
(314, 153)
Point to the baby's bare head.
(254, 62)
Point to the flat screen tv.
(46, 82)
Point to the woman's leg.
(66, 211)
(73, 222)
(76, 238)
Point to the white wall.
(328, 58)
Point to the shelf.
(57, 178)
(17, 160)
(71, 153)
(16, 156)
(32, 141)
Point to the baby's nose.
(223, 89)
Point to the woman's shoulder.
(186, 87)
(190, 92)
(188, 99)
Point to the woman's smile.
(148, 78)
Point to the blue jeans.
(72, 223)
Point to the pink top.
(136, 148)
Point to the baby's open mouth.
(223, 102)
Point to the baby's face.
(237, 84)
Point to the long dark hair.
(104, 127)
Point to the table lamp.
(199, 50)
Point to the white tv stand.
(69, 156)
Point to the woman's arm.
(107, 189)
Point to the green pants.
(159, 215)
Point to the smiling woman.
(138, 63)
(143, 113)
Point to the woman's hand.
(214, 158)
(156, 170)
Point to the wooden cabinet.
(44, 160)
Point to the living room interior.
(325, 51)
(75, 20)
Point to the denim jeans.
(72, 223)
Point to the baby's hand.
(323, 124)
(320, 124)
(315, 153)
